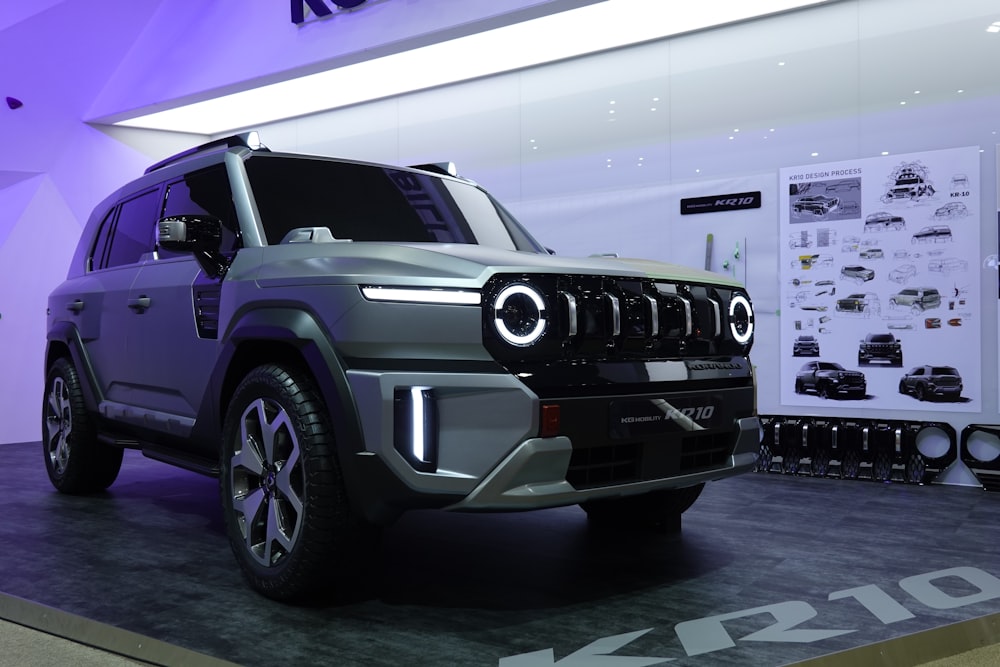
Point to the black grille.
(593, 318)
(206, 310)
(603, 466)
(705, 451)
(607, 465)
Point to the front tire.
(286, 510)
(77, 463)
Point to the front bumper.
(477, 444)
(534, 475)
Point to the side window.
(204, 192)
(100, 249)
(134, 232)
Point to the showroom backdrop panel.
(879, 273)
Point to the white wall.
(728, 117)
(540, 139)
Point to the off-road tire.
(286, 510)
(76, 461)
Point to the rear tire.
(287, 515)
(77, 463)
(659, 510)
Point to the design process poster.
(880, 303)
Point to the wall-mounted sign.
(319, 8)
(733, 202)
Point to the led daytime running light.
(511, 337)
(422, 295)
(741, 301)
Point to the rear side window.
(133, 233)
(100, 249)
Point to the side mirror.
(198, 234)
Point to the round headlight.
(519, 314)
(741, 319)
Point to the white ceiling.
(593, 28)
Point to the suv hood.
(443, 265)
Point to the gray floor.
(842, 563)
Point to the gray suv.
(340, 342)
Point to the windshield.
(363, 202)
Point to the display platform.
(767, 570)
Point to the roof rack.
(249, 140)
(445, 168)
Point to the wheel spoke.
(273, 432)
(281, 528)
(248, 456)
(286, 484)
(58, 425)
(248, 509)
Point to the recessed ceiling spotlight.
(771, 130)
(612, 102)
(885, 152)
(731, 138)
(656, 99)
(960, 91)
(995, 27)
(736, 129)
(697, 171)
(814, 154)
(902, 103)
(652, 108)
(781, 63)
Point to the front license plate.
(653, 416)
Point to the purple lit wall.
(56, 57)
(73, 61)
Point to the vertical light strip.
(417, 430)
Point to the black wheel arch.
(288, 336)
(63, 340)
(294, 337)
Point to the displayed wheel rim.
(58, 425)
(267, 482)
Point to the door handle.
(75, 306)
(139, 305)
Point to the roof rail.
(445, 168)
(249, 140)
